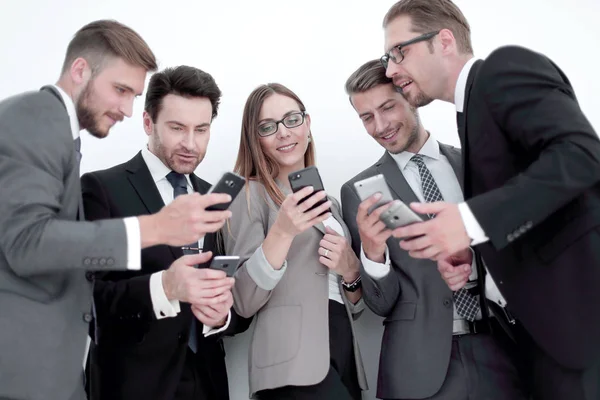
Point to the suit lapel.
(463, 129)
(455, 159)
(395, 179)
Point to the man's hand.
(456, 269)
(203, 286)
(215, 315)
(373, 233)
(436, 238)
(184, 221)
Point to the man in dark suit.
(430, 348)
(158, 331)
(45, 247)
(531, 170)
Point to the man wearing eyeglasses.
(531, 173)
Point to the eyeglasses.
(397, 55)
(289, 121)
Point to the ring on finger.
(326, 252)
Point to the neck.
(285, 170)
(68, 88)
(455, 68)
(420, 142)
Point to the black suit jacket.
(532, 167)
(133, 354)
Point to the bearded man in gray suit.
(46, 247)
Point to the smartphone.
(229, 183)
(228, 264)
(374, 184)
(399, 215)
(308, 177)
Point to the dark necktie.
(179, 184)
(467, 305)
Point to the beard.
(170, 159)
(88, 115)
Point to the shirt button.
(87, 317)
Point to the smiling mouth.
(287, 147)
(390, 135)
(404, 84)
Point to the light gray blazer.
(290, 342)
(45, 299)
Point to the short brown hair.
(252, 163)
(101, 39)
(366, 77)
(434, 15)
(182, 81)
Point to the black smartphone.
(308, 177)
(229, 183)
(228, 264)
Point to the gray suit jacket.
(290, 342)
(44, 252)
(414, 300)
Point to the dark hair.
(434, 15)
(366, 77)
(252, 163)
(182, 81)
(100, 40)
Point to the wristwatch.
(353, 286)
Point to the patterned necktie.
(466, 304)
(179, 184)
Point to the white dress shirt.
(474, 230)
(163, 307)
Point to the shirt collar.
(431, 149)
(158, 170)
(70, 111)
(461, 85)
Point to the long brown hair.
(252, 163)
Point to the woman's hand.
(337, 255)
(293, 218)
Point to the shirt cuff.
(374, 269)
(474, 230)
(134, 243)
(163, 307)
(262, 273)
(207, 330)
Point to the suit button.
(447, 303)
(87, 261)
(94, 261)
(87, 317)
(181, 338)
(522, 230)
(528, 224)
(102, 261)
(89, 276)
(110, 261)
(510, 237)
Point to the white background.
(311, 46)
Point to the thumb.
(193, 259)
(331, 231)
(428, 208)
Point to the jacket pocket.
(404, 311)
(277, 335)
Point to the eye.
(202, 130)
(120, 90)
(388, 108)
(176, 128)
(367, 118)
(265, 128)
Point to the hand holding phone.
(369, 186)
(308, 177)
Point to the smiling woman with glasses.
(298, 273)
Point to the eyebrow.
(204, 125)
(284, 115)
(378, 107)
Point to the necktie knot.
(417, 159)
(178, 182)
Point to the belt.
(464, 327)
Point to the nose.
(126, 107)
(393, 69)
(188, 140)
(381, 123)
(282, 131)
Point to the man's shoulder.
(33, 104)
(366, 173)
(113, 173)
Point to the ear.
(80, 71)
(447, 41)
(307, 121)
(148, 124)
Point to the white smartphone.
(375, 184)
(228, 264)
(399, 215)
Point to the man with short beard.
(45, 246)
(431, 349)
(158, 331)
